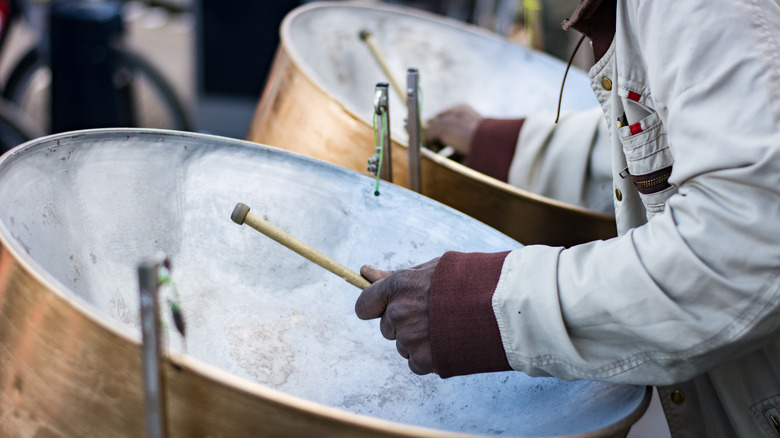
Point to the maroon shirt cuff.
(493, 147)
(463, 330)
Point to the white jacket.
(687, 298)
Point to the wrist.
(493, 146)
(463, 331)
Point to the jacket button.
(678, 397)
(618, 195)
(606, 84)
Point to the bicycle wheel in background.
(154, 103)
(15, 128)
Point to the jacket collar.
(596, 20)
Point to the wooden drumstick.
(241, 215)
(368, 38)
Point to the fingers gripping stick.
(241, 215)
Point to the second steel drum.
(319, 101)
(273, 348)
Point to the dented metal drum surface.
(319, 101)
(273, 346)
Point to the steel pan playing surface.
(458, 63)
(81, 210)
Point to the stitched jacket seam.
(665, 163)
(771, 53)
(729, 332)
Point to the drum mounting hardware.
(413, 128)
(154, 384)
(381, 163)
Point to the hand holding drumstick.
(399, 298)
(454, 127)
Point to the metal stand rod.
(154, 393)
(382, 105)
(241, 215)
(413, 127)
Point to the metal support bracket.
(154, 384)
(382, 115)
(413, 128)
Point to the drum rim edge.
(215, 374)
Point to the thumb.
(373, 301)
(373, 274)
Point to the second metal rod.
(154, 384)
(413, 128)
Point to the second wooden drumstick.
(368, 38)
(241, 215)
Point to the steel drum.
(273, 346)
(319, 97)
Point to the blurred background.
(194, 65)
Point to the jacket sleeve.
(567, 161)
(493, 146)
(699, 284)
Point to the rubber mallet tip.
(239, 213)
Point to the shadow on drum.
(319, 98)
(274, 348)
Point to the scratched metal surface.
(83, 210)
(457, 63)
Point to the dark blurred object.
(235, 45)
(501, 16)
(86, 91)
(15, 126)
(463, 10)
(496, 15)
(558, 42)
